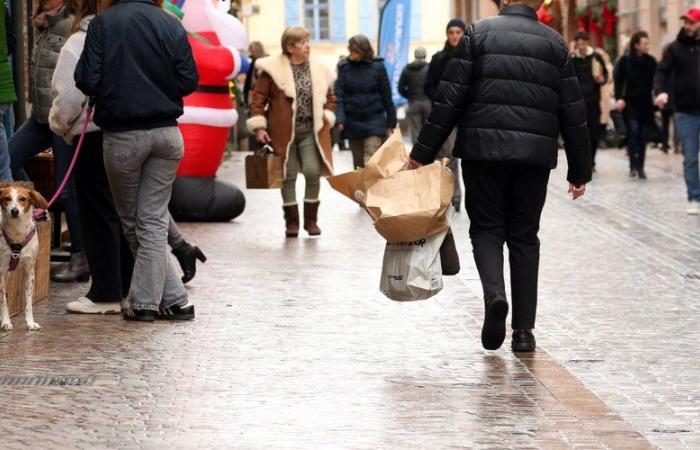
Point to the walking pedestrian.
(137, 65)
(52, 21)
(438, 65)
(292, 110)
(412, 87)
(7, 89)
(634, 80)
(592, 75)
(511, 87)
(365, 108)
(681, 61)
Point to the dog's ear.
(38, 200)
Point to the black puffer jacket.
(412, 81)
(510, 90)
(364, 102)
(681, 61)
(138, 65)
(438, 65)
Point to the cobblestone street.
(295, 347)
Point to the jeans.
(363, 149)
(688, 131)
(504, 203)
(637, 136)
(141, 168)
(303, 157)
(5, 171)
(33, 138)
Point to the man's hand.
(620, 105)
(661, 100)
(262, 136)
(413, 164)
(577, 191)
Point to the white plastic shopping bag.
(412, 271)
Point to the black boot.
(523, 341)
(77, 269)
(187, 255)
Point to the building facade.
(332, 22)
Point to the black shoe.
(139, 315)
(633, 173)
(494, 330)
(642, 174)
(523, 341)
(176, 313)
(187, 255)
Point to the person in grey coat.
(411, 86)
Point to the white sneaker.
(693, 208)
(86, 306)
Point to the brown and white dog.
(19, 246)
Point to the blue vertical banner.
(394, 41)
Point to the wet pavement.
(294, 346)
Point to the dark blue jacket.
(365, 106)
(137, 64)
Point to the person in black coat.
(679, 74)
(634, 82)
(438, 64)
(592, 75)
(511, 90)
(137, 66)
(365, 110)
(411, 87)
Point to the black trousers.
(504, 202)
(111, 262)
(593, 121)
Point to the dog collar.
(16, 249)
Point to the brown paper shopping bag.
(263, 170)
(411, 205)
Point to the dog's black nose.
(14, 212)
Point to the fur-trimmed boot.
(311, 218)
(291, 220)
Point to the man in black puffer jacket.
(511, 90)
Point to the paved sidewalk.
(294, 347)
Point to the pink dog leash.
(40, 212)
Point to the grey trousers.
(141, 168)
(418, 112)
(446, 152)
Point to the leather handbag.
(263, 170)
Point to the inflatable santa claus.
(209, 113)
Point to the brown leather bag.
(263, 170)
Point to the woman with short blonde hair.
(291, 109)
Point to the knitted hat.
(458, 23)
(420, 53)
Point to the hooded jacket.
(681, 61)
(412, 81)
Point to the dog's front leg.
(6, 325)
(29, 296)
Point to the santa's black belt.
(213, 89)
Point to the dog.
(19, 246)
